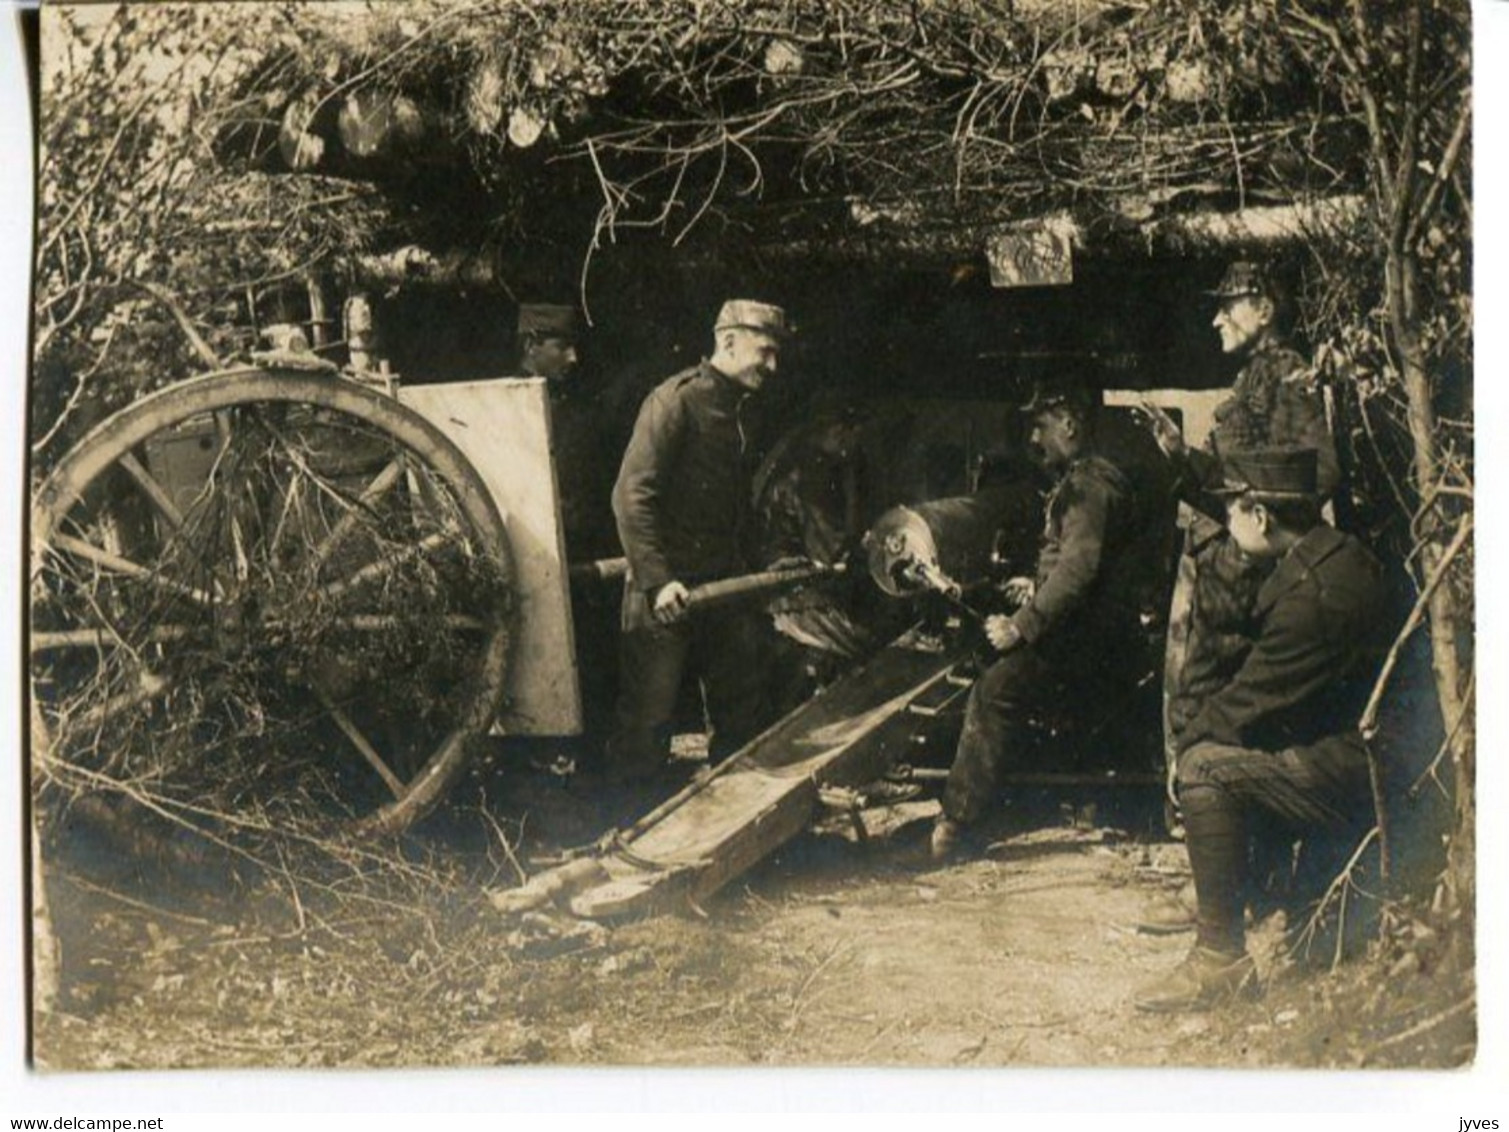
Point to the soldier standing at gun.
(683, 510)
(549, 335)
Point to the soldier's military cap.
(1285, 472)
(548, 320)
(1244, 277)
(746, 314)
(1046, 395)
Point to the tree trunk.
(1446, 616)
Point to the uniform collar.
(1085, 458)
(722, 382)
(1318, 544)
(1066, 475)
(1269, 344)
(1200, 536)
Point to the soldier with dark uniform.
(549, 335)
(1279, 739)
(682, 501)
(1075, 629)
(1273, 402)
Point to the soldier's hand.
(1019, 591)
(1166, 432)
(671, 603)
(1001, 633)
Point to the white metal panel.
(1198, 406)
(503, 427)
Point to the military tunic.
(583, 473)
(682, 496)
(581, 455)
(683, 511)
(1272, 404)
(1082, 584)
(1079, 631)
(1279, 742)
(1307, 676)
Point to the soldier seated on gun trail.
(1076, 628)
(1279, 740)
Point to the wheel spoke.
(380, 486)
(150, 686)
(290, 515)
(95, 639)
(360, 742)
(238, 548)
(119, 565)
(384, 566)
(154, 490)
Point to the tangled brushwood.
(283, 639)
(296, 627)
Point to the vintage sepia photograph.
(726, 533)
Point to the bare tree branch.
(1444, 172)
(180, 316)
(1368, 724)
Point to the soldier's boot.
(1205, 979)
(1169, 913)
(946, 841)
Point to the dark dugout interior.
(932, 359)
(925, 365)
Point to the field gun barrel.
(715, 592)
(759, 583)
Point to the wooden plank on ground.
(723, 823)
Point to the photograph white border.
(1414, 1100)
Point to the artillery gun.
(269, 593)
(280, 595)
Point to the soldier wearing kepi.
(1279, 739)
(1076, 623)
(1273, 402)
(549, 335)
(683, 509)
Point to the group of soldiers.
(1282, 629)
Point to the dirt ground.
(836, 951)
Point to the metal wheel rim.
(105, 447)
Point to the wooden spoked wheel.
(270, 597)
